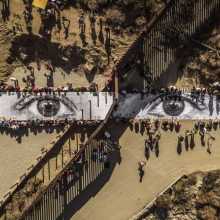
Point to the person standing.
(82, 25)
(108, 39)
(141, 165)
(66, 25)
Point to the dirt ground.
(200, 65)
(60, 157)
(194, 196)
(72, 69)
(16, 157)
(123, 195)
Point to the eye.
(46, 106)
(183, 107)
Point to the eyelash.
(184, 99)
(63, 99)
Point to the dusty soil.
(17, 156)
(35, 185)
(5, 42)
(200, 65)
(75, 62)
(123, 195)
(195, 196)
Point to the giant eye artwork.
(182, 107)
(95, 106)
(70, 105)
(46, 106)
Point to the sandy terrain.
(123, 195)
(201, 64)
(16, 157)
(82, 73)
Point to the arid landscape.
(195, 196)
(75, 61)
(152, 153)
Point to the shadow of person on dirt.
(192, 141)
(18, 134)
(157, 149)
(186, 143)
(179, 147)
(90, 75)
(136, 127)
(101, 35)
(93, 28)
(25, 47)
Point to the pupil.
(173, 108)
(48, 107)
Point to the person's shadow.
(157, 150)
(101, 35)
(192, 142)
(179, 147)
(83, 39)
(146, 152)
(142, 129)
(93, 30)
(202, 139)
(90, 76)
(93, 35)
(141, 175)
(186, 143)
(136, 126)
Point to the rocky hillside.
(193, 197)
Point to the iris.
(48, 107)
(173, 107)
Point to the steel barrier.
(182, 21)
(75, 177)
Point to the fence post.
(62, 156)
(48, 169)
(90, 109)
(56, 162)
(77, 141)
(43, 173)
(69, 146)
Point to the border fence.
(181, 22)
(82, 170)
(176, 25)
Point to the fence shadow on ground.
(91, 190)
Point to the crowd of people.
(172, 91)
(15, 125)
(152, 129)
(5, 10)
(151, 126)
(203, 129)
(4, 87)
(52, 18)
